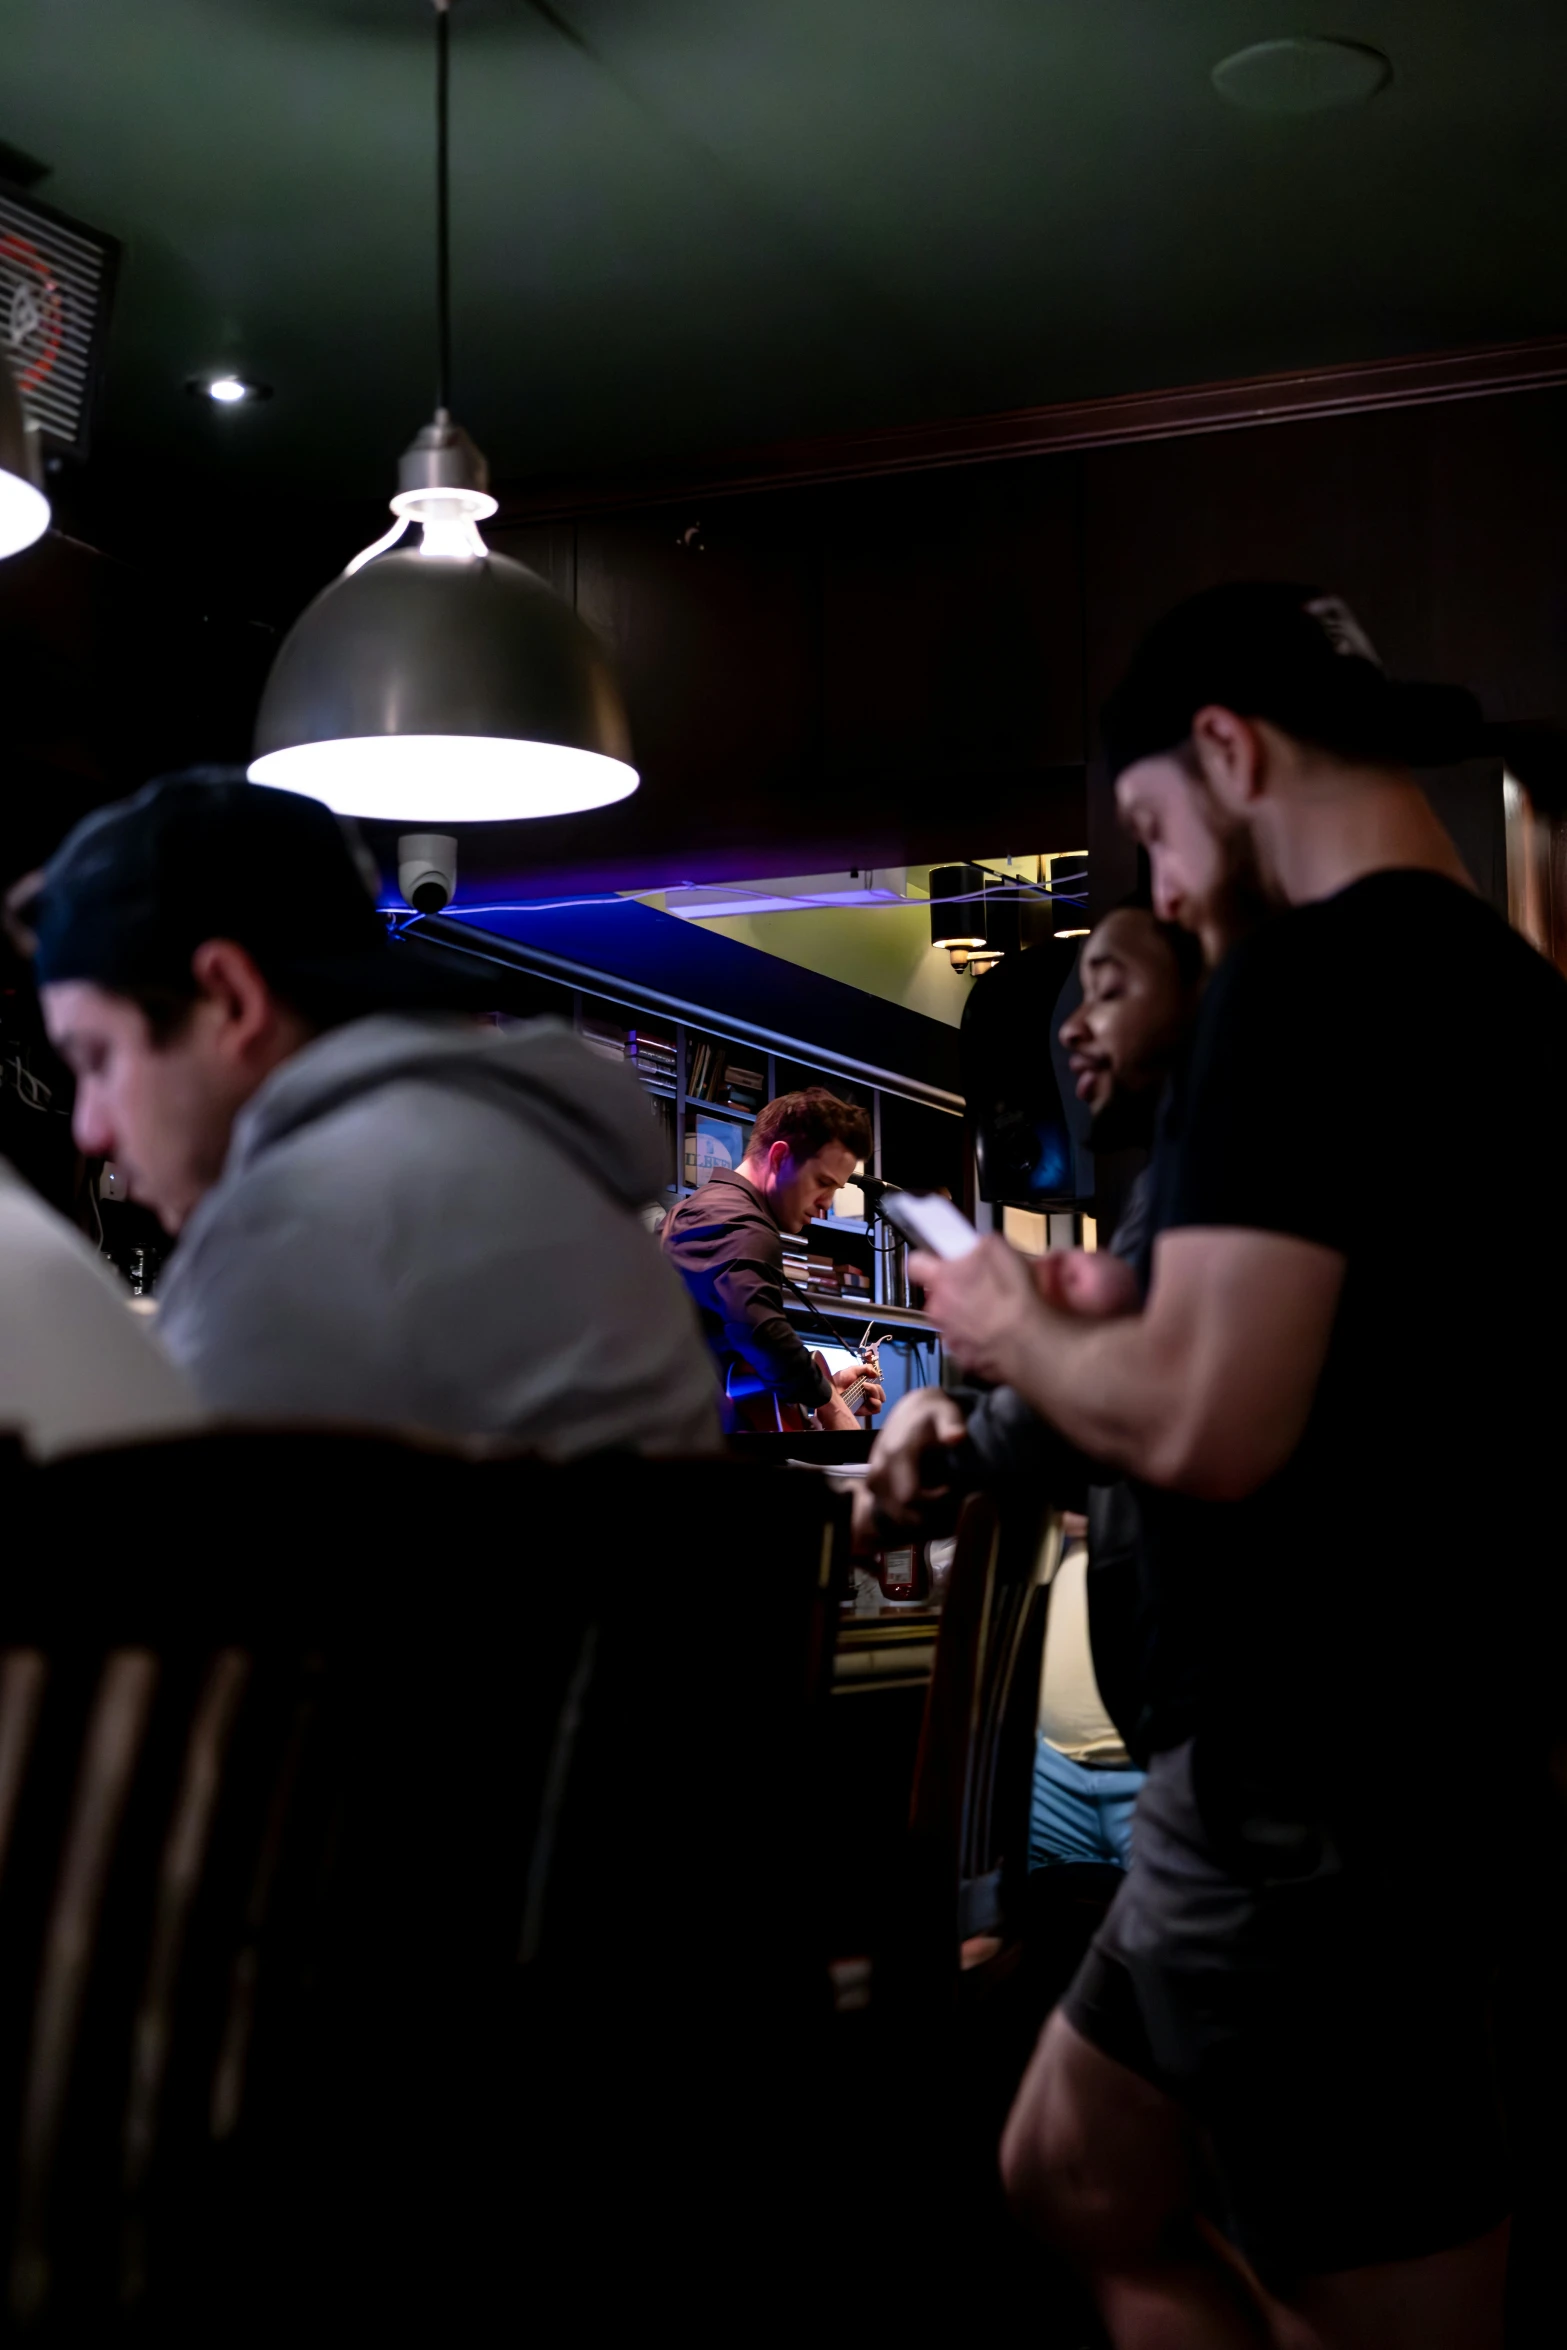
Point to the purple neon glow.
(754, 902)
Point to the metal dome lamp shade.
(436, 681)
(24, 510)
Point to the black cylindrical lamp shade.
(956, 924)
(1003, 917)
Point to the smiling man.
(1140, 981)
(1319, 1401)
(1140, 978)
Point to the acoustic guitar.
(761, 1414)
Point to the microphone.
(874, 1191)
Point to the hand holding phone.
(984, 1303)
(928, 1221)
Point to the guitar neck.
(854, 1394)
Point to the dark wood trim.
(1082, 424)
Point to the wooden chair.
(968, 1821)
(404, 1881)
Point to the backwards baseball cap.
(1297, 656)
(135, 889)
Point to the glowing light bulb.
(24, 514)
(228, 391)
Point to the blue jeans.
(1079, 1813)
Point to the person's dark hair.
(808, 1122)
(166, 1004)
(166, 1009)
(136, 888)
(1185, 947)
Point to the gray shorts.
(1326, 2027)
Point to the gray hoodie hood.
(425, 1223)
(539, 1072)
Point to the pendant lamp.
(435, 681)
(24, 510)
(956, 921)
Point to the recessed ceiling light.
(1302, 75)
(229, 391)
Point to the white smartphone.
(930, 1222)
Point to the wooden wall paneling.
(1497, 484)
(1478, 373)
(952, 637)
(1426, 520)
(711, 614)
(549, 548)
(108, 677)
(1468, 798)
(865, 662)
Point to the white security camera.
(427, 869)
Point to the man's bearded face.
(1204, 869)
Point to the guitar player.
(727, 1241)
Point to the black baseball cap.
(135, 889)
(1296, 656)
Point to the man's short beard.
(1239, 899)
(1238, 904)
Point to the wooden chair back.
(393, 1848)
(968, 1821)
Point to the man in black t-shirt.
(1327, 1387)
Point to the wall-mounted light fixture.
(1002, 912)
(1065, 875)
(975, 915)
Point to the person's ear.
(229, 981)
(1229, 755)
(776, 1158)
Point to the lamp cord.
(443, 210)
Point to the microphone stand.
(884, 1241)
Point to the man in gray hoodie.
(387, 1214)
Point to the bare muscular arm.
(1206, 1391)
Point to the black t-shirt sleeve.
(1261, 1133)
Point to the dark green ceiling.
(686, 224)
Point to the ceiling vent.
(56, 277)
(1302, 74)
